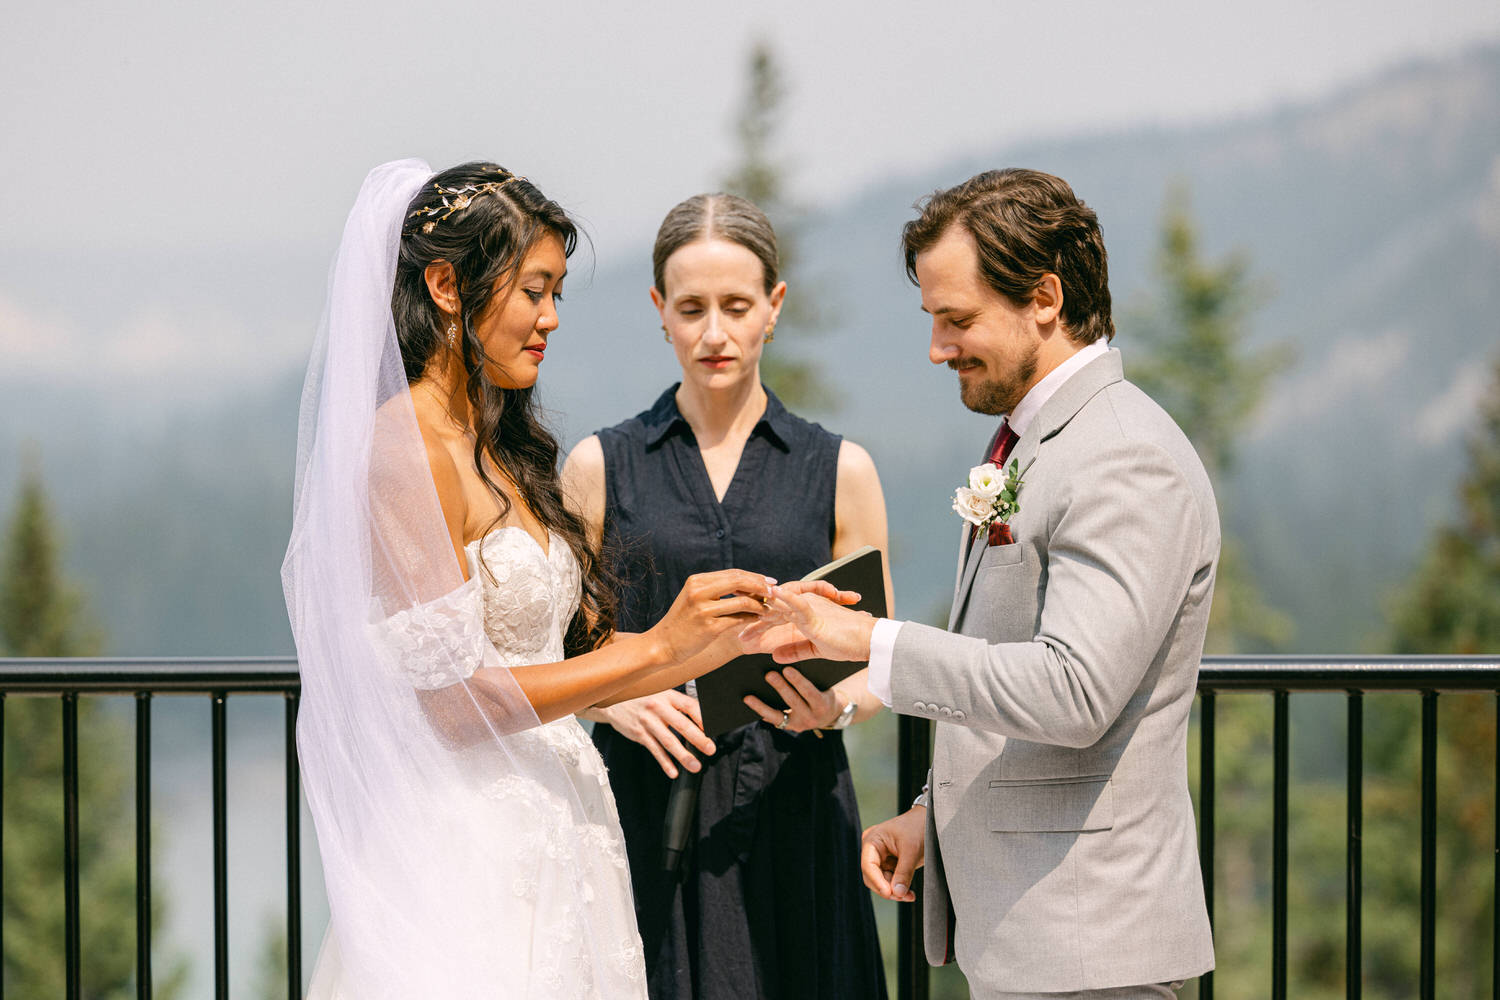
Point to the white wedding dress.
(561, 919)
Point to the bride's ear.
(442, 285)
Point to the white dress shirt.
(883, 639)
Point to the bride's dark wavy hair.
(484, 235)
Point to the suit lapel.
(1054, 415)
(971, 556)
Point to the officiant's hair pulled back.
(716, 216)
(483, 220)
(1025, 224)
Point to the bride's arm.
(699, 633)
(723, 649)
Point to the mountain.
(1372, 217)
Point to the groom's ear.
(1047, 300)
(442, 285)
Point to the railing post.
(143, 845)
(913, 737)
(2, 841)
(1354, 846)
(1206, 765)
(221, 852)
(1429, 843)
(293, 855)
(1278, 845)
(72, 946)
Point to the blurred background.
(1302, 210)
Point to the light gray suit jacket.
(1061, 841)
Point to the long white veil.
(396, 731)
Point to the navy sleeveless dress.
(770, 903)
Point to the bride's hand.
(656, 722)
(710, 605)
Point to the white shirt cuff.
(882, 648)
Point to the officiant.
(718, 473)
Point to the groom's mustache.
(958, 363)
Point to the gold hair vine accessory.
(456, 200)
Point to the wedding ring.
(786, 716)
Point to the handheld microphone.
(682, 803)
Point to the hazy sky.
(177, 126)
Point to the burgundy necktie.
(1004, 442)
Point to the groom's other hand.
(808, 620)
(891, 852)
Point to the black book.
(720, 692)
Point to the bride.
(450, 617)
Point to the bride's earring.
(771, 332)
(452, 333)
(664, 334)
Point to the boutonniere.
(990, 498)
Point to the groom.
(1056, 829)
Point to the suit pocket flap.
(1000, 555)
(1073, 806)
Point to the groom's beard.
(998, 396)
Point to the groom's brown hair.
(1025, 224)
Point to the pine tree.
(1197, 364)
(1187, 348)
(1452, 604)
(760, 177)
(41, 616)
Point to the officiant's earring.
(771, 332)
(664, 334)
(452, 333)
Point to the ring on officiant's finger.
(786, 716)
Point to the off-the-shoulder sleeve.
(439, 643)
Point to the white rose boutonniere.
(985, 480)
(973, 507)
(991, 499)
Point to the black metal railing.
(219, 678)
(1281, 676)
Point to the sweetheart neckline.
(546, 553)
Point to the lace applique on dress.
(439, 643)
(557, 829)
(572, 864)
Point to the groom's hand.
(891, 852)
(808, 620)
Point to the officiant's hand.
(891, 852)
(656, 722)
(806, 706)
(814, 626)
